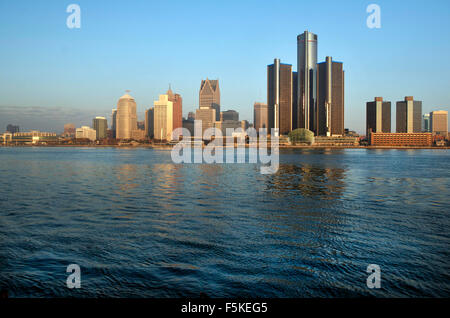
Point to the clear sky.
(145, 45)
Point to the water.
(140, 226)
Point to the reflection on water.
(141, 226)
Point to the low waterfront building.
(138, 134)
(86, 132)
(34, 137)
(336, 141)
(401, 139)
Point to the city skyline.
(372, 57)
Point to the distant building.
(126, 120)
(189, 125)
(229, 115)
(227, 124)
(260, 116)
(245, 124)
(138, 134)
(163, 121)
(114, 122)
(207, 115)
(100, 125)
(426, 127)
(330, 98)
(34, 137)
(439, 122)
(177, 120)
(209, 96)
(279, 96)
(378, 116)
(69, 130)
(191, 116)
(149, 122)
(86, 132)
(409, 116)
(141, 125)
(12, 129)
(401, 139)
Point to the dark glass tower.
(307, 81)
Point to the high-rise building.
(378, 116)
(177, 109)
(163, 118)
(69, 130)
(307, 80)
(126, 118)
(209, 96)
(426, 127)
(100, 125)
(12, 129)
(295, 115)
(149, 122)
(260, 116)
(113, 122)
(330, 98)
(279, 96)
(207, 115)
(439, 122)
(229, 115)
(409, 116)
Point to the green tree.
(301, 135)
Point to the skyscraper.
(100, 125)
(209, 96)
(330, 98)
(279, 96)
(307, 80)
(378, 116)
(113, 122)
(149, 122)
(439, 122)
(409, 116)
(426, 127)
(207, 115)
(260, 116)
(163, 118)
(177, 108)
(229, 115)
(126, 118)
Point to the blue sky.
(145, 45)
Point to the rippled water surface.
(140, 226)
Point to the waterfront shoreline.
(247, 146)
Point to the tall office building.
(409, 116)
(209, 96)
(330, 98)
(86, 132)
(163, 118)
(229, 115)
(307, 80)
(378, 116)
(100, 125)
(426, 127)
(113, 122)
(260, 116)
(126, 118)
(279, 96)
(149, 122)
(177, 109)
(295, 124)
(439, 122)
(207, 115)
